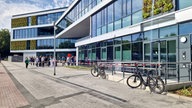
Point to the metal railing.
(170, 72)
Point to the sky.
(13, 7)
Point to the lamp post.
(54, 58)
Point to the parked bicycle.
(155, 83)
(98, 70)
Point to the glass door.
(160, 51)
(117, 53)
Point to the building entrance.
(160, 51)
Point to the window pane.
(110, 27)
(184, 3)
(137, 51)
(126, 39)
(137, 37)
(137, 5)
(110, 13)
(137, 17)
(127, 21)
(118, 9)
(126, 52)
(168, 31)
(117, 53)
(151, 34)
(185, 28)
(117, 24)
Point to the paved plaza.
(36, 87)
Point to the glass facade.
(60, 43)
(119, 14)
(81, 8)
(138, 47)
(33, 32)
(184, 3)
(48, 18)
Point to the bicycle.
(155, 84)
(98, 71)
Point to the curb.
(179, 96)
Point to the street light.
(54, 58)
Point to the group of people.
(41, 61)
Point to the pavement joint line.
(73, 76)
(60, 80)
(30, 98)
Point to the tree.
(4, 43)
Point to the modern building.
(131, 30)
(33, 35)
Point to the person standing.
(26, 62)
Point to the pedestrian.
(37, 61)
(26, 62)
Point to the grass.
(185, 91)
(79, 67)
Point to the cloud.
(14, 7)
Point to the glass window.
(147, 51)
(126, 39)
(137, 5)
(110, 13)
(137, 17)
(104, 29)
(117, 24)
(137, 51)
(29, 21)
(128, 7)
(110, 42)
(94, 25)
(184, 3)
(126, 52)
(185, 28)
(93, 54)
(103, 53)
(127, 21)
(117, 41)
(124, 11)
(137, 37)
(168, 31)
(110, 53)
(118, 9)
(110, 27)
(171, 52)
(151, 34)
(117, 55)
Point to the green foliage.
(33, 44)
(34, 20)
(160, 6)
(185, 91)
(156, 11)
(19, 22)
(4, 42)
(145, 15)
(18, 45)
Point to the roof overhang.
(76, 30)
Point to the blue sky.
(13, 7)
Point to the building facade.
(32, 34)
(131, 30)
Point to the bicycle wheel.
(94, 72)
(157, 85)
(103, 75)
(134, 81)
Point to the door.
(117, 53)
(160, 51)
